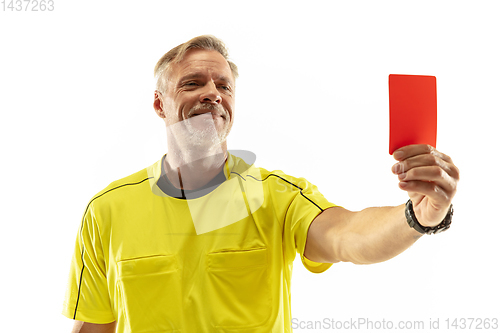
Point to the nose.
(210, 94)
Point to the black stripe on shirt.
(81, 231)
(272, 174)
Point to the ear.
(158, 104)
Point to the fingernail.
(398, 154)
(398, 168)
(402, 175)
(395, 168)
(403, 184)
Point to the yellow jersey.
(219, 261)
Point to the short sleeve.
(87, 297)
(301, 236)
(305, 202)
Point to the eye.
(226, 88)
(189, 84)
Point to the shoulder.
(280, 179)
(124, 187)
(283, 188)
(119, 197)
(243, 164)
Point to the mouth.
(212, 112)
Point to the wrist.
(412, 221)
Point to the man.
(203, 241)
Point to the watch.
(413, 222)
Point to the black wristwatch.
(413, 222)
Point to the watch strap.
(413, 222)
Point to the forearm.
(374, 235)
(378, 234)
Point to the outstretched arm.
(380, 233)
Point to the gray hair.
(175, 55)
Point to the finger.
(434, 174)
(414, 150)
(426, 160)
(431, 190)
(443, 156)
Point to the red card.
(412, 110)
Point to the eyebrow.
(194, 76)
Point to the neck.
(190, 169)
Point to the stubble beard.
(203, 130)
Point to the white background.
(76, 92)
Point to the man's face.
(201, 85)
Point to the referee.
(204, 241)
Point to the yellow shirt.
(219, 262)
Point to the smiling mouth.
(212, 113)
